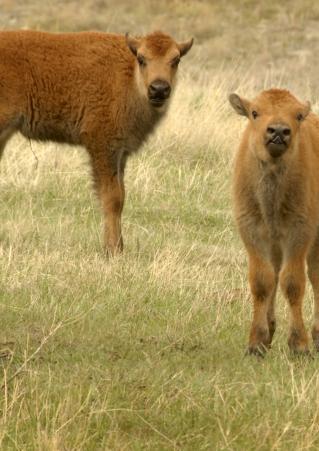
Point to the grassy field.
(146, 351)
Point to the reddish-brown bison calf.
(276, 202)
(104, 91)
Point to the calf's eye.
(299, 117)
(141, 60)
(254, 114)
(175, 62)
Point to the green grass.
(146, 351)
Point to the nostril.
(153, 89)
(271, 130)
(286, 132)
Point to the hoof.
(300, 349)
(113, 248)
(258, 351)
(298, 343)
(259, 341)
(300, 353)
(112, 252)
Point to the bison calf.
(276, 203)
(104, 91)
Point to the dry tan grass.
(158, 334)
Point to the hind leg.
(313, 274)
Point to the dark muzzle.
(277, 139)
(158, 92)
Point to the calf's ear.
(303, 113)
(184, 47)
(132, 43)
(240, 105)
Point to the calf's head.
(275, 118)
(157, 56)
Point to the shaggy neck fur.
(142, 117)
(271, 193)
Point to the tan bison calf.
(276, 202)
(106, 92)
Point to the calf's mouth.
(157, 102)
(276, 147)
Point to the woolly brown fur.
(85, 88)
